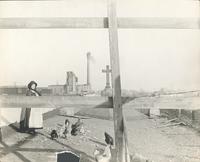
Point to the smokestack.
(88, 68)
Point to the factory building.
(71, 87)
(21, 90)
(57, 90)
(71, 83)
(13, 90)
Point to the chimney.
(88, 68)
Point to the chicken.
(105, 157)
(77, 128)
(54, 134)
(108, 139)
(139, 158)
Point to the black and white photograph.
(99, 81)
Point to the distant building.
(83, 89)
(71, 83)
(71, 87)
(13, 90)
(21, 90)
(57, 89)
(45, 91)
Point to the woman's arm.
(39, 94)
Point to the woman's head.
(32, 85)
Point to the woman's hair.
(31, 83)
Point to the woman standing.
(31, 119)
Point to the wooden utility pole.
(116, 82)
(98, 22)
(0, 126)
(88, 68)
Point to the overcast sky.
(150, 59)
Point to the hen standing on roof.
(77, 128)
(106, 156)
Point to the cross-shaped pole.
(107, 71)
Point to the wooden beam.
(165, 102)
(99, 22)
(0, 128)
(49, 0)
(116, 82)
(29, 0)
(26, 23)
(192, 103)
(159, 23)
(54, 102)
(186, 103)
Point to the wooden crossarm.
(54, 102)
(165, 102)
(187, 103)
(99, 22)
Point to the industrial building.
(71, 86)
(21, 90)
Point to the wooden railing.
(99, 22)
(162, 102)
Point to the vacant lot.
(148, 137)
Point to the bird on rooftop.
(108, 139)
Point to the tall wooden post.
(88, 68)
(116, 82)
(0, 126)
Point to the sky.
(150, 59)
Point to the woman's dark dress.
(30, 116)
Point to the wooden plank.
(186, 103)
(99, 22)
(17, 23)
(47, 0)
(54, 102)
(29, 0)
(116, 82)
(159, 23)
(0, 127)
